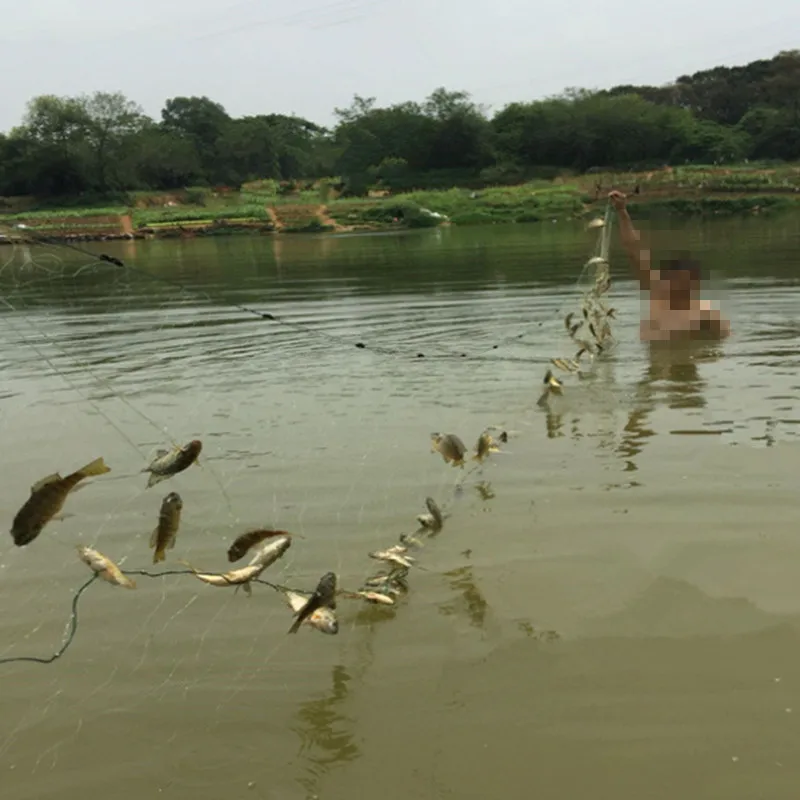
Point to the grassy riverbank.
(258, 207)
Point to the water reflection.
(672, 367)
(326, 735)
(462, 580)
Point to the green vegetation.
(89, 159)
(146, 217)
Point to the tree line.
(104, 144)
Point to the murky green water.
(650, 519)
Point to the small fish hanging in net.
(590, 327)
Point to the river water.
(616, 618)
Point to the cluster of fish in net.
(318, 608)
(589, 328)
(590, 331)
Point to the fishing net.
(100, 412)
(589, 326)
(104, 358)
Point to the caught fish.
(393, 582)
(565, 364)
(236, 577)
(553, 383)
(409, 540)
(434, 519)
(394, 555)
(598, 222)
(169, 519)
(323, 619)
(450, 446)
(170, 462)
(324, 597)
(270, 552)
(484, 446)
(264, 557)
(376, 597)
(47, 498)
(104, 567)
(250, 539)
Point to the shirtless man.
(676, 310)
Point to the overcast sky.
(307, 56)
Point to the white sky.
(273, 56)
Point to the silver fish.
(104, 567)
(236, 577)
(376, 597)
(393, 555)
(270, 552)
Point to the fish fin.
(153, 538)
(296, 625)
(44, 481)
(171, 545)
(247, 589)
(160, 453)
(96, 467)
(312, 604)
(154, 479)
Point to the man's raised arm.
(638, 254)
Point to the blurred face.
(681, 284)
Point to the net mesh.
(193, 346)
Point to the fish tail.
(96, 467)
(153, 479)
(306, 611)
(158, 556)
(129, 583)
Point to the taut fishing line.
(314, 331)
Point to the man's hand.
(618, 200)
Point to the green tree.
(203, 122)
(162, 160)
(250, 145)
(111, 122)
(50, 146)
